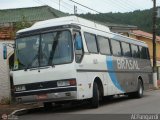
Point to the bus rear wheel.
(96, 97)
(139, 92)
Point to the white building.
(4, 72)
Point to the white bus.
(71, 59)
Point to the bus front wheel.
(95, 98)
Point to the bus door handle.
(95, 61)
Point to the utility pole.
(59, 4)
(75, 9)
(154, 46)
(158, 12)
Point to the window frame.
(95, 40)
(148, 57)
(46, 32)
(80, 32)
(129, 49)
(146, 52)
(137, 49)
(120, 47)
(72, 51)
(108, 44)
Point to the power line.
(128, 5)
(114, 3)
(106, 3)
(132, 3)
(44, 3)
(158, 3)
(73, 6)
(90, 8)
(38, 2)
(122, 5)
(65, 7)
(85, 6)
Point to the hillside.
(142, 19)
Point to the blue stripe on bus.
(109, 63)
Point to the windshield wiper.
(44, 67)
(27, 66)
(50, 61)
(54, 44)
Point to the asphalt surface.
(118, 108)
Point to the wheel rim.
(140, 90)
(98, 94)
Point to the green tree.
(141, 19)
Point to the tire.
(95, 98)
(139, 92)
(48, 106)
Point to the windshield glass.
(43, 50)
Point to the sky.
(103, 6)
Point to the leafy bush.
(5, 101)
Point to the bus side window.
(91, 42)
(135, 51)
(148, 55)
(126, 49)
(116, 48)
(78, 42)
(143, 52)
(103, 45)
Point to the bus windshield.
(41, 50)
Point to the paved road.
(150, 103)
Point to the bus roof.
(80, 22)
(65, 21)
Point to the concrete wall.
(4, 72)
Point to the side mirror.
(4, 52)
(78, 43)
(79, 48)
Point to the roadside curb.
(152, 89)
(20, 112)
(25, 111)
(156, 88)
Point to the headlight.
(66, 83)
(62, 83)
(20, 88)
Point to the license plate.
(42, 97)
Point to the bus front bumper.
(61, 94)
